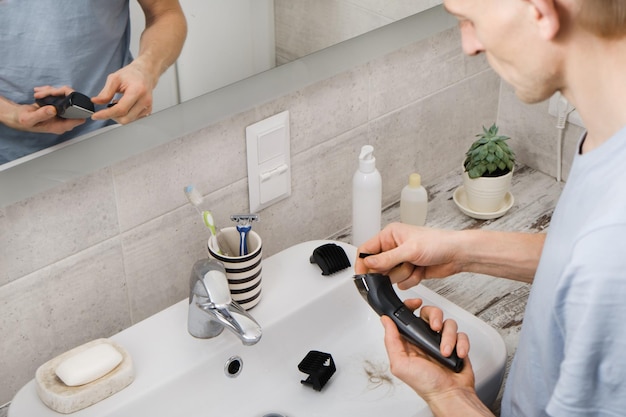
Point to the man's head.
(528, 42)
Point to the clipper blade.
(361, 285)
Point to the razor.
(377, 290)
(244, 225)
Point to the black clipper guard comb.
(377, 290)
(320, 366)
(330, 258)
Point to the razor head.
(244, 219)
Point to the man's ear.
(547, 17)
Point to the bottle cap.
(415, 180)
(367, 162)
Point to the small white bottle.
(366, 198)
(414, 202)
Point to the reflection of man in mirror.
(54, 47)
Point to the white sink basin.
(301, 310)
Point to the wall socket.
(559, 103)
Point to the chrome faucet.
(211, 308)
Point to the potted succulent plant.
(488, 168)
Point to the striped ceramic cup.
(243, 272)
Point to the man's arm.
(163, 37)
(510, 255)
(409, 254)
(160, 45)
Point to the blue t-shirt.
(58, 42)
(570, 359)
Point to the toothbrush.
(195, 198)
(207, 216)
(244, 225)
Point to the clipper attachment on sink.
(330, 258)
(319, 366)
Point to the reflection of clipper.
(376, 289)
(244, 225)
(73, 106)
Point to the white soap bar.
(88, 365)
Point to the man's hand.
(421, 372)
(136, 85)
(409, 254)
(446, 392)
(33, 118)
(160, 44)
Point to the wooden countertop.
(499, 302)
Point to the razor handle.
(379, 293)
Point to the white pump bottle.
(366, 198)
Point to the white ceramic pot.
(486, 194)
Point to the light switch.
(269, 167)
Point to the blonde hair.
(606, 18)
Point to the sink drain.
(233, 366)
(274, 415)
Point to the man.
(569, 359)
(56, 47)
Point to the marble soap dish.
(67, 399)
(460, 199)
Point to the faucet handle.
(216, 285)
(208, 280)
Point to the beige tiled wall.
(534, 134)
(94, 256)
(303, 26)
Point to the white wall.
(227, 40)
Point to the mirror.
(46, 169)
(229, 40)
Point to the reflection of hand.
(409, 254)
(48, 90)
(135, 84)
(437, 385)
(33, 118)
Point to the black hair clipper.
(73, 106)
(377, 290)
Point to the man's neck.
(597, 87)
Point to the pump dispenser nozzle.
(367, 162)
(367, 152)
